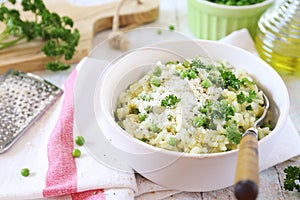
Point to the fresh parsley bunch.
(57, 32)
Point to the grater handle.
(247, 177)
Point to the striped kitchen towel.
(46, 150)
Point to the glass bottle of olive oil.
(278, 37)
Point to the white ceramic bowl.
(182, 171)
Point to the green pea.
(230, 3)
(171, 27)
(172, 141)
(155, 81)
(153, 128)
(79, 140)
(236, 2)
(186, 63)
(25, 172)
(206, 83)
(239, 3)
(76, 153)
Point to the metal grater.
(23, 98)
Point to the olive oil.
(278, 37)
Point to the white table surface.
(174, 12)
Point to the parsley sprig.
(229, 79)
(233, 134)
(57, 32)
(170, 101)
(292, 178)
(241, 97)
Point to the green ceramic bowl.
(213, 21)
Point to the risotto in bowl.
(176, 111)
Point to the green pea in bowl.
(212, 21)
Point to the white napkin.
(242, 39)
(46, 148)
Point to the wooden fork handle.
(247, 172)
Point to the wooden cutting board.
(88, 19)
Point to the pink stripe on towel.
(89, 195)
(61, 177)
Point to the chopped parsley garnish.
(292, 178)
(229, 79)
(198, 64)
(229, 111)
(148, 109)
(216, 80)
(252, 95)
(170, 101)
(222, 110)
(142, 117)
(204, 109)
(145, 97)
(233, 134)
(246, 81)
(200, 120)
(241, 97)
(249, 107)
(211, 111)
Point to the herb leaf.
(233, 134)
(229, 79)
(170, 101)
(200, 120)
(241, 97)
(291, 178)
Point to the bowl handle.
(246, 177)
